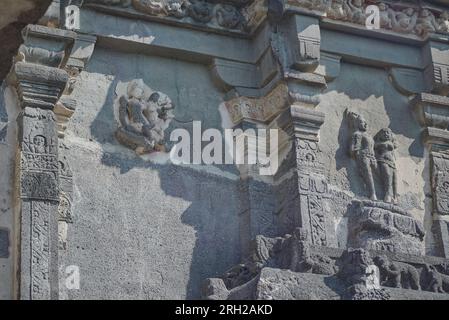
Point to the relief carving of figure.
(437, 282)
(153, 7)
(443, 22)
(177, 8)
(315, 4)
(356, 11)
(426, 23)
(228, 16)
(362, 151)
(397, 274)
(143, 120)
(337, 10)
(201, 11)
(354, 264)
(385, 144)
(385, 16)
(405, 20)
(39, 144)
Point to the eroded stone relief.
(229, 15)
(144, 115)
(396, 17)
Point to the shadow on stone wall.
(213, 209)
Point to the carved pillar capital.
(432, 113)
(436, 73)
(260, 110)
(39, 86)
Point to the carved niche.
(143, 115)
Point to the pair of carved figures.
(144, 116)
(374, 155)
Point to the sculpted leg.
(387, 177)
(367, 175)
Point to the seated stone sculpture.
(143, 121)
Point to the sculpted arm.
(123, 111)
(356, 144)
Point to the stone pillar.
(432, 112)
(302, 123)
(299, 37)
(44, 76)
(39, 88)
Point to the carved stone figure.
(362, 150)
(143, 120)
(405, 20)
(397, 274)
(353, 266)
(385, 16)
(201, 11)
(153, 7)
(315, 4)
(177, 8)
(437, 282)
(303, 260)
(443, 22)
(228, 16)
(356, 11)
(291, 252)
(337, 10)
(358, 272)
(426, 23)
(385, 144)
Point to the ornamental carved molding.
(236, 15)
(403, 17)
(259, 109)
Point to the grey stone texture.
(357, 208)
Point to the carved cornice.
(397, 17)
(261, 109)
(242, 16)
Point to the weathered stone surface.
(275, 284)
(355, 208)
(380, 226)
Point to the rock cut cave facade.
(359, 205)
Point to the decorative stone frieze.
(406, 18)
(242, 16)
